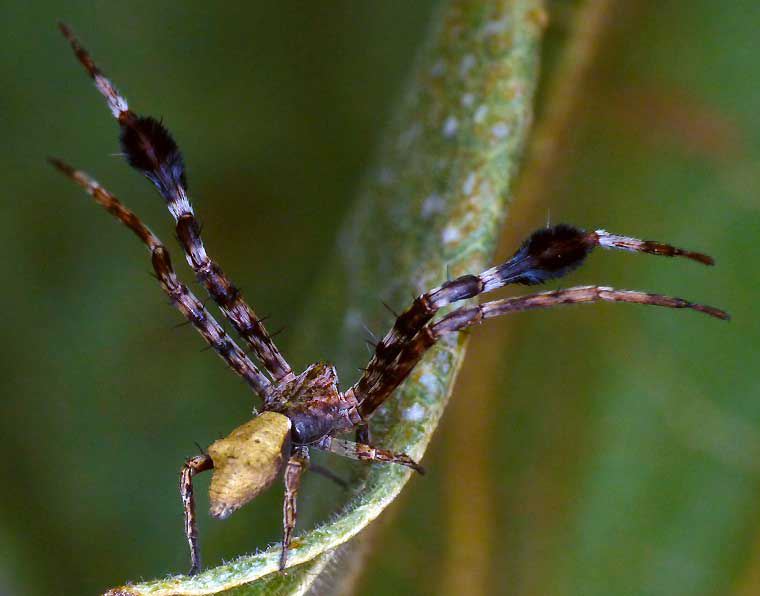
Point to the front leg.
(364, 452)
(549, 253)
(296, 466)
(149, 148)
(363, 434)
(194, 465)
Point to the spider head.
(247, 461)
(312, 402)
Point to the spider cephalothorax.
(315, 405)
(301, 412)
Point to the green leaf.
(431, 206)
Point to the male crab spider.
(306, 411)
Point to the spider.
(307, 410)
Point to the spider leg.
(613, 241)
(294, 469)
(468, 316)
(548, 253)
(182, 298)
(473, 315)
(363, 434)
(150, 149)
(329, 474)
(364, 452)
(193, 466)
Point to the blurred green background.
(616, 448)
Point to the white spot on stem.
(469, 184)
(450, 126)
(429, 381)
(468, 61)
(414, 413)
(495, 27)
(500, 130)
(450, 234)
(431, 205)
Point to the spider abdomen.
(247, 461)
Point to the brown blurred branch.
(469, 437)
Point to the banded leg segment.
(193, 466)
(547, 254)
(468, 316)
(652, 247)
(364, 452)
(294, 469)
(150, 149)
(182, 298)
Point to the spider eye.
(247, 461)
